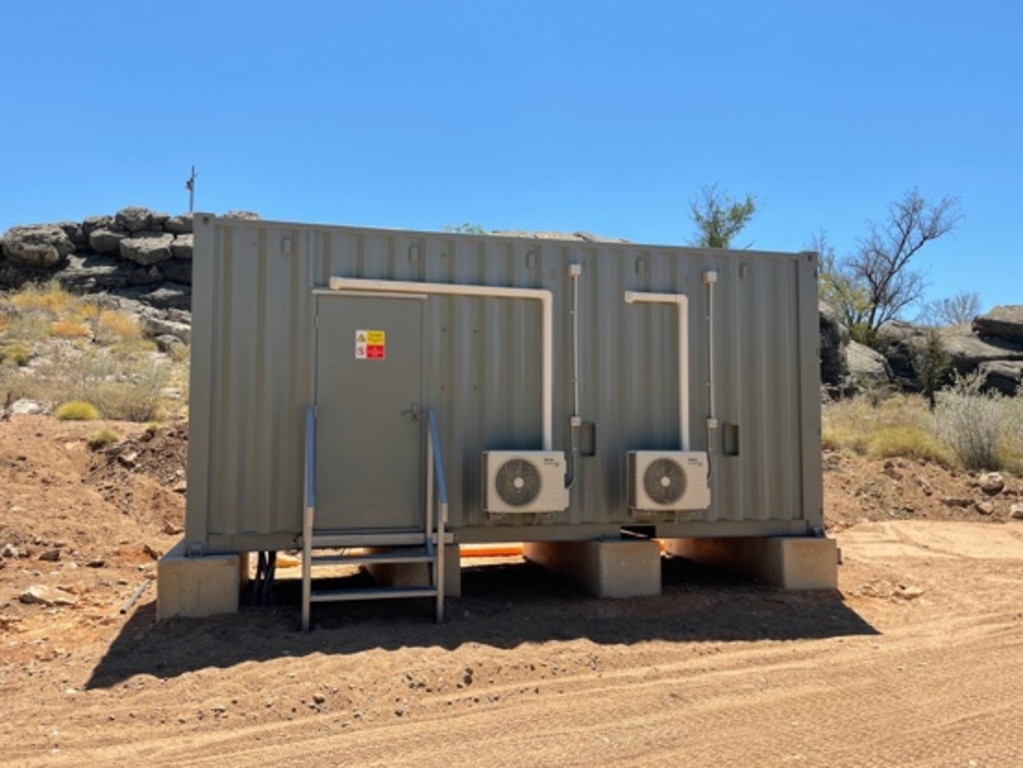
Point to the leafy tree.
(876, 282)
(718, 218)
(957, 310)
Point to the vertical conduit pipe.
(709, 278)
(574, 422)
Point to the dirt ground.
(917, 659)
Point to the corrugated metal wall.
(253, 341)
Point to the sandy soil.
(917, 660)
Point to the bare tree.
(718, 218)
(957, 310)
(875, 283)
(881, 263)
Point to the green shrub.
(76, 410)
(911, 442)
(103, 438)
(15, 354)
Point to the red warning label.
(370, 345)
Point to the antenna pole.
(190, 186)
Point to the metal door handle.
(412, 411)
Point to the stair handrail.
(435, 473)
(308, 512)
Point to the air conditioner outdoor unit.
(668, 481)
(517, 482)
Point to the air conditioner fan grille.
(664, 481)
(518, 482)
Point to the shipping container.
(588, 362)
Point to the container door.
(369, 438)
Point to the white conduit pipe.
(681, 303)
(709, 278)
(542, 295)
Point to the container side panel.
(253, 367)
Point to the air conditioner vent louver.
(667, 481)
(519, 482)
(664, 481)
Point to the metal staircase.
(425, 545)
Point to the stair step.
(373, 557)
(370, 593)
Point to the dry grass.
(969, 429)
(898, 426)
(48, 296)
(109, 363)
(69, 329)
(117, 327)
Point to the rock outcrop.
(991, 348)
(868, 368)
(1002, 323)
(136, 254)
(40, 246)
(834, 360)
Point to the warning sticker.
(370, 345)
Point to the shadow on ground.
(502, 605)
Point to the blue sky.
(598, 116)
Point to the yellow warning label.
(370, 345)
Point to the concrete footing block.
(418, 574)
(789, 562)
(606, 568)
(198, 586)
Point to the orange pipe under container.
(500, 550)
(491, 550)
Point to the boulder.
(105, 240)
(134, 219)
(834, 338)
(92, 223)
(1004, 322)
(154, 327)
(246, 215)
(44, 595)
(75, 234)
(179, 225)
(901, 343)
(177, 271)
(1005, 376)
(868, 368)
(93, 271)
(165, 343)
(168, 296)
(40, 246)
(147, 248)
(177, 316)
(992, 483)
(967, 351)
(182, 247)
